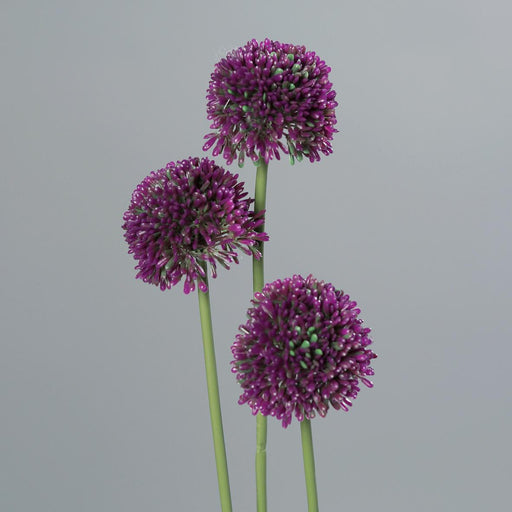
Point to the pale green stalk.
(213, 397)
(309, 464)
(258, 282)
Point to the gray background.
(102, 389)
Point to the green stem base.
(214, 398)
(309, 464)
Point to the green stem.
(261, 463)
(257, 285)
(213, 397)
(309, 464)
(260, 198)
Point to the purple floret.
(269, 97)
(189, 212)
(302, 349)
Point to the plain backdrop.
(102, 391)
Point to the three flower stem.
(213, 397)
(258, 281)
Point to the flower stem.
(260, 198)
(257, 285)
(213, 397)
(261, 463)
(309, 464)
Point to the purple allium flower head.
(269, 97)
(189, 212)
(303, 348)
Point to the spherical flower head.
(189, 212)
(303, 349)
(269, 97)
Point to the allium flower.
(265, 92)
(303, 348)
(189, 212)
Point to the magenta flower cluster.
(185, 214)
(269, 97)
(302, 349)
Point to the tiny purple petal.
(302, 350)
